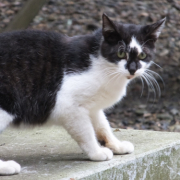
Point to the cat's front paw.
(9, 167)
(121, 147)
(103, 154)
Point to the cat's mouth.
(130, 76)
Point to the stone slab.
(49, 153)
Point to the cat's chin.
(130, 76)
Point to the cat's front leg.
(104, 133)
(78, 124)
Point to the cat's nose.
(132, 68)
(132, 71)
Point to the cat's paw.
(104, 154)
(9, 167)
(121, 147)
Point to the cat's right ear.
(154, 30)
(109, 30)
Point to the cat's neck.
(107, 73)
(109, 85)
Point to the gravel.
(84, 16)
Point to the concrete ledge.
(49, 153)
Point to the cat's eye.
(121, 54)
(142, 55)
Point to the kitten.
(69, 81)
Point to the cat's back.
(29, 41)
(29, 56)
(31, 35)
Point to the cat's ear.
(154, 30)
(109, 30)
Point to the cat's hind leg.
(78, 124)
(7, 167)
(104, 133)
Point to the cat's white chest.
(110, 93)
(92, 89)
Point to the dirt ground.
(83, 16)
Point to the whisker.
(117, 74)
(142, 85)
(146, 42)
(155, 83)
(151, 85)
(147, 84)
(156, 64)
(148, 70)
(121, 47)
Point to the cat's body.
(47, 77)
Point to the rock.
(164, 52)
(139, 120)
(147, 115)
(129, 127)
(52, 17)
(38, 19)
(142, 106)
(176, 128)
(10, 12)
(155, 128)
(113, 125)
(164, 116)
(171, 128)
(178, 43)
(91, 27)
(2, 5)
(116, 130)
(69, 22)
(173, 121)
(174, 111)
(145, 14)
(165, 125)
(139, 112)
(6, 20)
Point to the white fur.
(5, 119)
(135, 44)
(81, 100)
(140, 71)
(9, 167)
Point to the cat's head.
(128, 46)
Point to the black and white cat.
(69, 81)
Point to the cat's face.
(130, 47)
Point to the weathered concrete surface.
(50, 154)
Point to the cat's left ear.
(154, 30)
(109, 30)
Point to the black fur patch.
(79, 49)
(30, 74)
